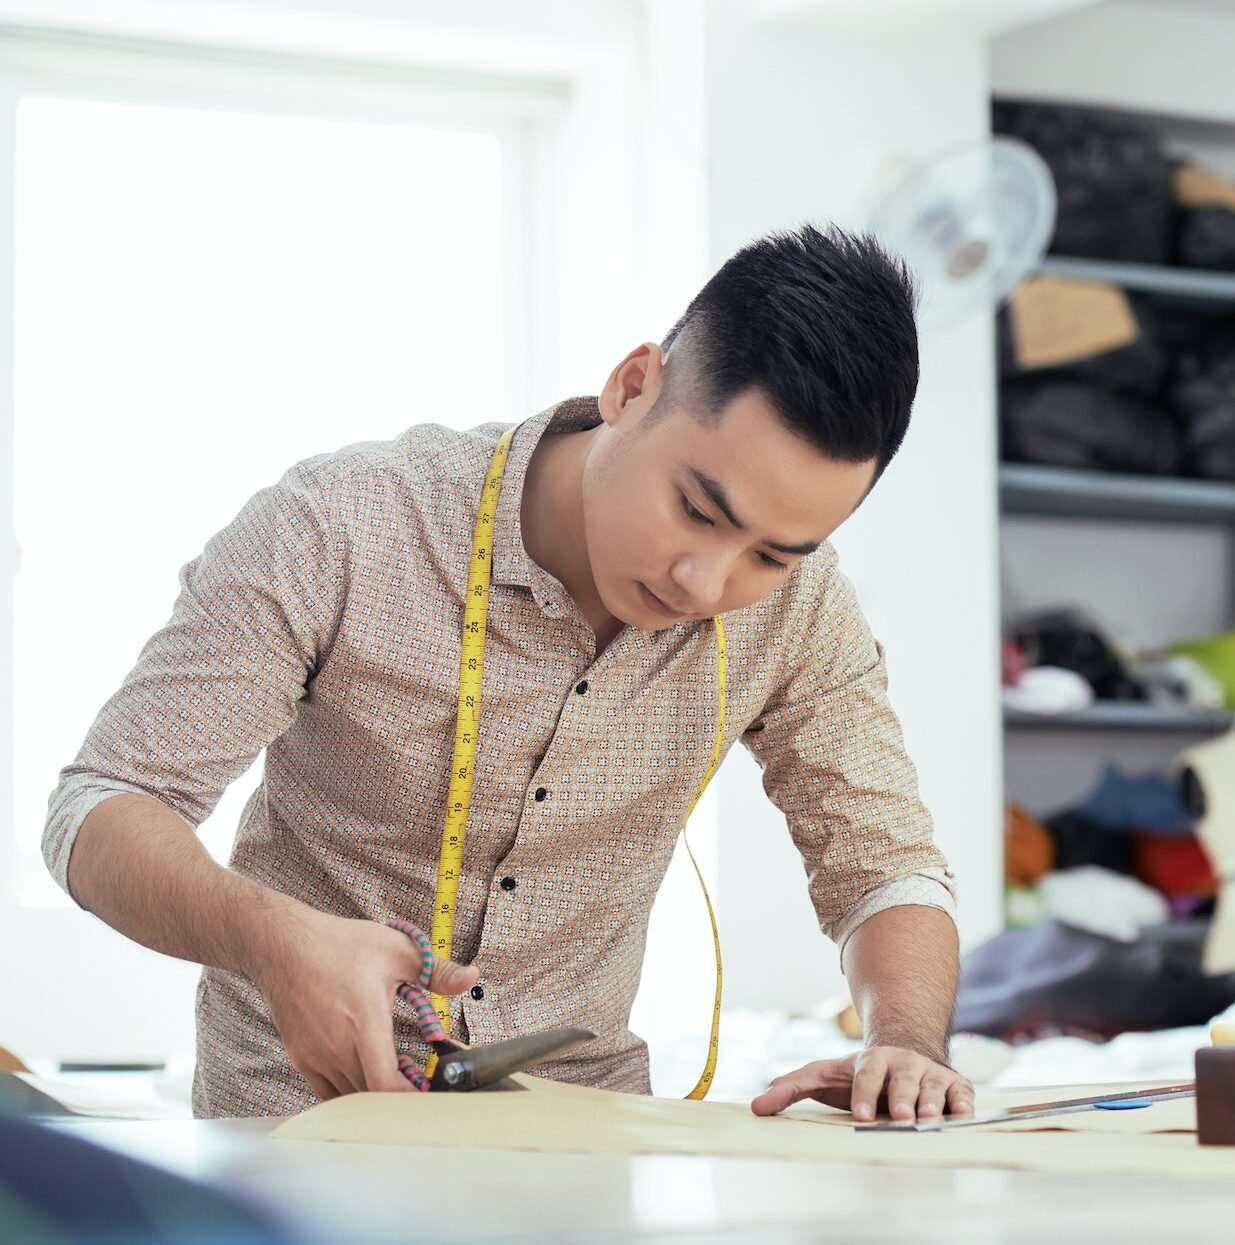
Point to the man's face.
(686, 519)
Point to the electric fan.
(971, 223)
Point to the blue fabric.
(1127, 802)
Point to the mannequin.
(1206, 776)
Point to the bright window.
(203, 298)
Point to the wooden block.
(1215, 1095)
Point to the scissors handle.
(417, 995)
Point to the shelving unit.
(1124, 716)
(1034, 491)
(1208, 290)
(1028, 490)
(1052, 760)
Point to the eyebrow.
(716, 493)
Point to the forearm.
(902, 967)
(140, 869)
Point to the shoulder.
(812, 620)
(423, 462)
(815, 587)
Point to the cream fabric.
(565, 1119)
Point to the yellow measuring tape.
(463, 760)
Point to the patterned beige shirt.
(323, 625)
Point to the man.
(324, 625)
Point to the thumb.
(451, 978)
(780, 1094)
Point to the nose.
(702, 580)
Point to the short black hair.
(822, 322)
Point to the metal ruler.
(1030, 1111)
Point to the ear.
(633, 386)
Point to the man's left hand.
(882, 1078)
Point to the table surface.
(375, 1195)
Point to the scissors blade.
(484, 1067)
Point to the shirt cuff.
(929, 888)
(67, 808)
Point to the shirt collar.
(511, 563)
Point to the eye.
(695, 516)
(772, 562)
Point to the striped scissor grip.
(417, 995)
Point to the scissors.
(462, 1068)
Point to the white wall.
(1154, 55)
(802, 122)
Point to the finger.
(933, 1091)
(904, 1088)
(345, 1081)
(824, 1080)
(960, 1097)
(378, 1070)
(451, 978)
(868, 1081)
(781, 1093)
(325, 1087)
(446, 977)
(324, 1090)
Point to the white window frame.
(608, 224)
(58, 965)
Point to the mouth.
(654, 603)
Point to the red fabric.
(1175, 865)
(1012, 663)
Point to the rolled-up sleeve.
(834, 762)
(255, 616)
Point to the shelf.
(1195, 286)
(1026, 489)
(1124, 715)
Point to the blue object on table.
(1123, 1104)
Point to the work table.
(377, 1194)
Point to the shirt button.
(509, 884)
(581, 688)
(478, 992)
(540, 794)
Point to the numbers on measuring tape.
(462, 767)
(462, 773)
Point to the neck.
(551, 515)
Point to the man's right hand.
(329, 982)
(330, 985)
